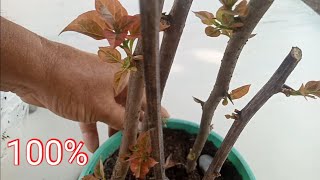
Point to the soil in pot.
(178, 143)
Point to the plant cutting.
(146, 153)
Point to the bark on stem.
(273, 86)
(257, 9)
(132, 113)
(171, 38)
(144, 123)
(150, 22)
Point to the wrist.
(22, 66)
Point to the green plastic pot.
(113, 143)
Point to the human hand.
(81, 89)
(69, 82)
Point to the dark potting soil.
(178, 143)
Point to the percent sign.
(70, 145)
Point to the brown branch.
(171, 38)
(133, 104)
(150, 22)
(144, 123)
(132, 113)
(273, 86)
(257, 9)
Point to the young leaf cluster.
(110, 21)
(311, 90)
(227, 19)
(235, 115)
(140, 158)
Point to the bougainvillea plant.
(110, 21)
(235, 19)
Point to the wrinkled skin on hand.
(84, 92)
(71, 83)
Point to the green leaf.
(225, 101)
(126, 63)
(223, 15)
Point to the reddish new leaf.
(206, 17)
(228, 116)
(134, 27)
(114, 13)
(302, 90)
(143, 143)
(140, 160)
(88, 23)
(120, 32)
(232, 116)
(237, 25)
(140, 166)
(115, 39)
(109, 55)
(224, 16)
(242, 8)
(125, 23)
(110, 10)
(313, 87)
(239, 92)
(212, 32)
(120, 80)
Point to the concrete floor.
(282, 140)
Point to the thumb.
(90, 136)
